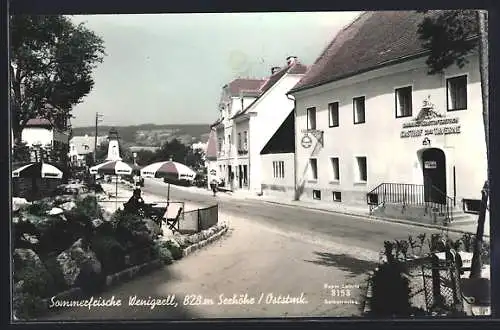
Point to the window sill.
(458, 109)
(358, 123)
(333, 126)
(337, 201)
(312, 181)
(404, 116)
(360, 183)
(334, 182)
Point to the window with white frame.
(358, 104)
(403, 102)
(337, 196)
(279, 169)
(220, 144)
(456, 90)
(335, 168)
(229, 141)
(361, 173)
(333, 114)
(239, 141)
(313, 164)
(245, 140)
(311, 118)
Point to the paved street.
(270, 250)
(354, 233)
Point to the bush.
(110, 253)
(390, 291)
(174, 249)
(89, 279)
(35, 278)
(55, 271)
(27, 306)
(89, 207)
(39, 208)
(163, 253)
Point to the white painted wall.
(271, 111)
(37, 135)
(391, 158)
(278, 186)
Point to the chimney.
(275, 69)
(291, 59)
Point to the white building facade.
(235, 97)
(394, 124)
(255, 118)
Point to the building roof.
(211, 152)
(217, 122)
(293, 68)
(372, 40)
(37, 122)
(243, 85)
(283, 140)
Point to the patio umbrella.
(170, 170)
(38, 170)
(114, 167)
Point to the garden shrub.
(35, 278)
(390, 291)
(55, 271)
(90, 280)
(89, 207)
(110, 253)
(56, 235)
(27, 306)
(163, 253)
(39, 208)
(174, 249)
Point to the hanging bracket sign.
(306, 141)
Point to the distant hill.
(152, 135)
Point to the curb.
(194, 247)
(405, 222)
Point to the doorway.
(240, 177)
(434, 172)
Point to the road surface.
(275, 261)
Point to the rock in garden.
(27, 258)
(55, 211)
(73, 259)
(18, 203)
(68, 206)
(97, 222)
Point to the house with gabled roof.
(254, 123)
(373, 127)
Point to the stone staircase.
(422, 214)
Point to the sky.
(170, 68)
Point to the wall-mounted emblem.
(430, 164)
(213, 172)
(426, 142)
(306, 141)
(427, 111)
(430, 122)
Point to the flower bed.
(68, 245)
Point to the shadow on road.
(344, 262)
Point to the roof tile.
(371, 40)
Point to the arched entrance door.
(434, 171)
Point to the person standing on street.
(213, 185)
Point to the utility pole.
(98, 119)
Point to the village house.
(81, 147)
(372, 123)
(254, 124)
(235, 96)
(40, 133)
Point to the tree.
(450, 36)
(51, 62)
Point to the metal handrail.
(409, 194)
